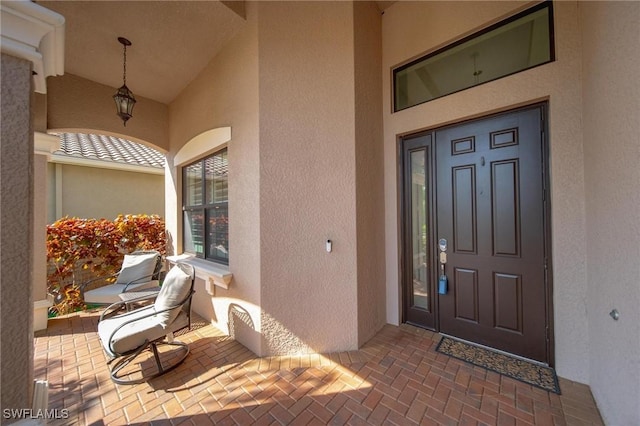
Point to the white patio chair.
(140, 270)
(126, 335)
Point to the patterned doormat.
(531, 373)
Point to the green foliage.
(95, 247)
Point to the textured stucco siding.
(225, 94)
(307, 177)
(611, 64)
(89, 192)
(39, 227)
(293, 149)
(16, 234)
(369, 148)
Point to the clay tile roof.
(109, 148)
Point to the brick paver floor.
(396, 378)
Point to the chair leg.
(123, 362)
(154, 347)
(126, 360)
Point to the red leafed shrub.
(94, 247)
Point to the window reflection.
(517, 44)
(419, 230)
(205, 205)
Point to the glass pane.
(419, 230)
(511, 47)
(193, 185)
(218, 233)
(217, 175)
(194, 232)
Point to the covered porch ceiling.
(172, 41)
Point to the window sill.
(214, 273)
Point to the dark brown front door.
(488, 187)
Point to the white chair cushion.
(133, 335)
(176, 287)
(108, 294)
(137, 268)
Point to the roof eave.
(85, 162)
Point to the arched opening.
(94, 175)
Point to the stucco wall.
(307, 176)
(39, 227)
(292, 175)
(369, 157)
(611, 64)
(226, 94)
(413, 28)
(89, 192)
(76, 104)
(16, 234)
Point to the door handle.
(442, 281)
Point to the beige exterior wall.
(226, 94)
(44, 145)
(16, 234)
(307, 155)
(39, 112)
(40, 227)
(76, 104)
(369, 168)
(611, 64)
(307, 179)
(412, 28)
(293, 175)
(89, 192)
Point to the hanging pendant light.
(124, 97)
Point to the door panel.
(465, 294)
(506, 219)
(464, 208)
(489, 185)
(507, 291)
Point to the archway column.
(32, 48)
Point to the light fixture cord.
(476, 72)
(475, 68)
(124, 66)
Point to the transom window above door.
(205, 208)
(516, 44)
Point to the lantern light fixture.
(124, 97)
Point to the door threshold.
(424, 327)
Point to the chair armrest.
(111, 310)
(144, 295)
(83, 285)
(137, 280)
(152, 312)
(119, 305)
